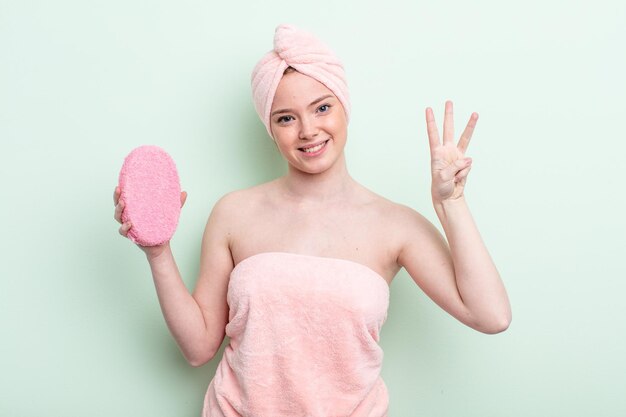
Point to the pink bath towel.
(150, 190)
(304, 334)
(305, 53)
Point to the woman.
(297, 271)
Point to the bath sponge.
(150, 190)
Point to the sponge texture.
(150, 190)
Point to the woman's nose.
(308, 128)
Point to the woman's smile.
(314, 149)
(308, 124)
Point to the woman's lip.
(316, 153)
(312, 146)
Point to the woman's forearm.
(181, 311)
(477, 278)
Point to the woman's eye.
(324, 108)
(284, 119)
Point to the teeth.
(315, 148)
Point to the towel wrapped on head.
(306, 54)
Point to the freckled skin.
(308, 122)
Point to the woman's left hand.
(449, 166)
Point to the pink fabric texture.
(306, 54)
(304, 334)
(150, 190)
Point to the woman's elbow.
(204, 352)
(496, 325)
(199, 360)
(197, 363)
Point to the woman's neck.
(330, 185)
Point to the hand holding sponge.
(150, 194)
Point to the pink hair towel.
(306, 54)
(150, 190)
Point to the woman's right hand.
(150, 251)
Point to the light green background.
(84, 82)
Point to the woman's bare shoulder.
(393, 212)
(240, 201)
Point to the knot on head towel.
(306, 54)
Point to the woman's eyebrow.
(314, 102)
(280, 111)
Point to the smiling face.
(308, 124)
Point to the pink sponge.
(150, 190)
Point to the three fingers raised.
(448, 128)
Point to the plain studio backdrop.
(84, 82)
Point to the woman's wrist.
(449, 204)
(450, 209)
(155, 254)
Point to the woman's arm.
(461, 277)
(477, 279)
(196, 322)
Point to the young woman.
(297, 271)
